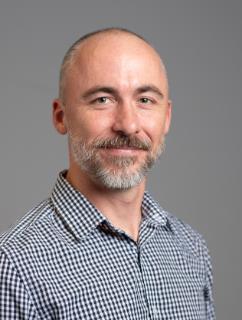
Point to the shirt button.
(159, 218)
(155, 312)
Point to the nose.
(126, 120)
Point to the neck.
(121, 207)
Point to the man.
(100, 247)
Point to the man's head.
(114, 105)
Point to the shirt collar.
(152, 211)
(81, 216)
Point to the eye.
(102, 100)
(145, 100)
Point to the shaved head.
(75, 50)
(113, 86)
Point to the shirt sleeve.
(15, 302)
(208, 290)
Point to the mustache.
(123, 141)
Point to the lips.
(122, 151)
(123, 148)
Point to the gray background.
(199, 176)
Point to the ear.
(58, 116)
(168, 117)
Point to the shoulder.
(25, 230)
(182, 228)
(192, 241)
(187, 237)
(18, 249)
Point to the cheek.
(154, 127)
(90, 126)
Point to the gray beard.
(115, 172)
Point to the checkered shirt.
(65, 260)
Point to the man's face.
(116, 110)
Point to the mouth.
(122, 147)
(123, 150)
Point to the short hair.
(70, 54)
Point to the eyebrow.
(150, 88)
(111, 90)
(97, 89)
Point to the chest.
(112, 278)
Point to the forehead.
(120, 60)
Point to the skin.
(125, 64)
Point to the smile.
(124, 150)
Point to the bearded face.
(110, 169)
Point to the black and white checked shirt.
(65, 260)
